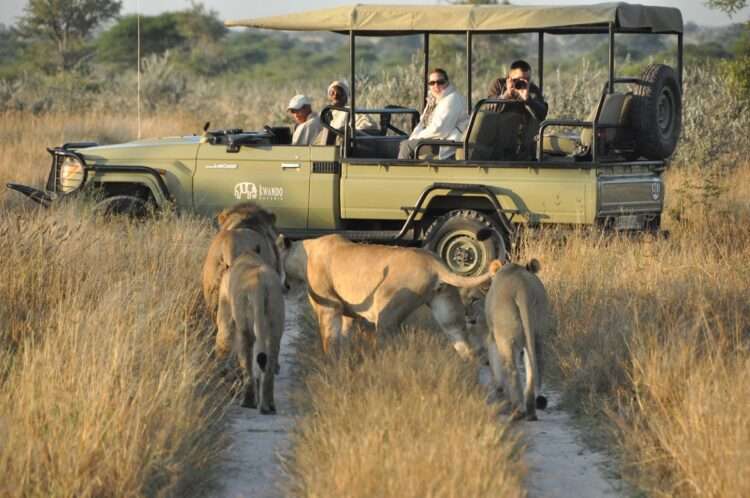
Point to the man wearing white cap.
(307, 122)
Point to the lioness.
(518, 318)
(381, 284)
(243, 228)
(250, 320)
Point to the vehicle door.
(277, 177)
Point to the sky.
(692, 10)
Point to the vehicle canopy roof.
(378, 20)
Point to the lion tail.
(533, 266)
(448, 277)
(261, 325)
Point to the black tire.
(453, 237)
(126, 205)
(657, 113)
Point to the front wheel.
(127, 205)
(453, 237)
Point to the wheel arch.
(142, 185)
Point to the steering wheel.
(270, 131)
(325, 120)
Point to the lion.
(243, 228)
(380, 284)
(517, 318)
(250, 320)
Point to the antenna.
(138, 50)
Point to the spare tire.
(657, 113)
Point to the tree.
(67, 24)
(737, 70)
(118, 45)
(728, 6)
(194, 34)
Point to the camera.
(520, 84)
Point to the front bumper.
(36, 195)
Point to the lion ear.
(221, 217)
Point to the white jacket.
(448, 121)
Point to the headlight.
(71, 174)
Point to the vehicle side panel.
(546, 195)
(324, 207)
(275, 176)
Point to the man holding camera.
(518, 86)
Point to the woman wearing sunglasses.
(444, 117)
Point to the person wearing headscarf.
(338, 95)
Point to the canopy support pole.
(468, 70)
(611, 82)
(540, 69)
(426, 68)
(352, 84)
(679, 60)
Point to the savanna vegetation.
(107, 386)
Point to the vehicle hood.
(141, 151)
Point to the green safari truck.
(605, 170)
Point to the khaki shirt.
(305, 133)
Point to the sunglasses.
(437, 82)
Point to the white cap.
(298, 101)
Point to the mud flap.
(35, 195)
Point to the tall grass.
(405, 419)
(106, 383)
(653, 339)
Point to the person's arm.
(297, 135)
(536, 104)
(496, 89)
(444, 118)
(537, 107)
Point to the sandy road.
(560, 466)
(251, 467)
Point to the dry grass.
(654, 336)
(106, 383)
(406, 419)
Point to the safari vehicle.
(606, 170)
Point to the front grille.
(329, 167)
(53, 181)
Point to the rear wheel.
(453, 237)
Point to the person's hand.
(509, 92)
(523, 93)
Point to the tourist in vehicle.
(307, 123)
(517, 85)
(444, 117)
(338, 95)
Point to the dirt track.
(252, 467)
(559, 465)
